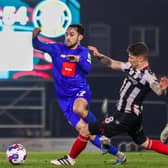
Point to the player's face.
(134, 60)
(72, 38)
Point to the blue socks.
(112, 149)
(90, 118)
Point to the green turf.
(91, 160)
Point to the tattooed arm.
(109, 62)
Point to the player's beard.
(73, 45)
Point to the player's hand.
(164, 83)
(73, 58)
(36, 32)
(95, 51)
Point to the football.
(16, 154)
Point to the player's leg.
(107, 127)
(96, 140)
(140, 138)
(164, 134)
(80, 142)
(78, 145)
(81, 108)
(156, 146)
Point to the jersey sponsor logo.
(68, 69)
(68, 56)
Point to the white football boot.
(64, 161)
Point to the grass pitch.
(91, 160)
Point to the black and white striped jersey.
(135, 87)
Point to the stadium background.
(28, 107)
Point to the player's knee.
(80, 107)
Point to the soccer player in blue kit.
(71, 63)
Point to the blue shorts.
(66, 105)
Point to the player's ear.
(141, 58)
(80, 37)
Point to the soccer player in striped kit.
(71, 64)
(138, 82)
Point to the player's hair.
(79, 28)
(138, 48)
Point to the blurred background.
(28, 106)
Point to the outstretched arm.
(37, 44)
(36, 32)
(109, 62)
(164, 84)
(160, 88)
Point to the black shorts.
(118, 123)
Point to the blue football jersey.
(69, 77)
